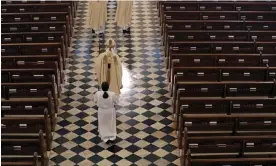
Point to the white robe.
(97, 14)
(116, 72)
(124, 13)
(106, 115)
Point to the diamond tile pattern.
(144, 118)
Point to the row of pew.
(220, 58)
(35, 38)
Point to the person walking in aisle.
(97, 15)
(124, 14)
(106, 100)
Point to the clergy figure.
(97, 15)
(106, 101)
(109, 68)
(124, 14)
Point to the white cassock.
(114, 76)
(106, 115)
(124, 13)
(97, 14)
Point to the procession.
(108, 66)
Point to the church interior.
(198, 83)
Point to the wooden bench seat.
(17, 107)
(216, 6)
(30, 89)
(34, 17)
(35, 7)
(34, 49)
(41, 6)
(27, 127)
(17, 60)
(219, 35)
(28, 162)
(231, 162)
(217, 59)
(59, 26)
(30, 75)
(227, 105)
(220, 15)
(226, 125)
(24, 151)
(225, 147)
(217, 25)
(35, 37)
(223, 89)
(15, 64)
(215, 74)
(37, 27)
(249, 47)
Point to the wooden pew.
(220, 15)
(34, 48)
(19, 61)
(33, 162)
(218, 47)
(218, 35)
(14, 4)
(30, 90)
(218, 60)
(38, 27)
(34, 17)
(197, 60)
(36, 7)
(27, 127)
(19, 152)
(221, 89)
(246, 47)
(214, 74)
(226, 125)
(36, 37)
(225, 147)
(218, 105)
(30, 107)
(231, 162)
(54, 48)
(31, 75)
(216, 6)
(217, 25)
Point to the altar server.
(106, 100)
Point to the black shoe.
(108, 142)
(93, 31)
(112, 141)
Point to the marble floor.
(144, 118)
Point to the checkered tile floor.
(144, 121)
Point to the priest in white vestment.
(97, 15)
(106, 100)
(108, 68)
(124, 14)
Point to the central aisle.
(144, 118)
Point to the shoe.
(108, 142)
(93, 31)
(112, 141)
